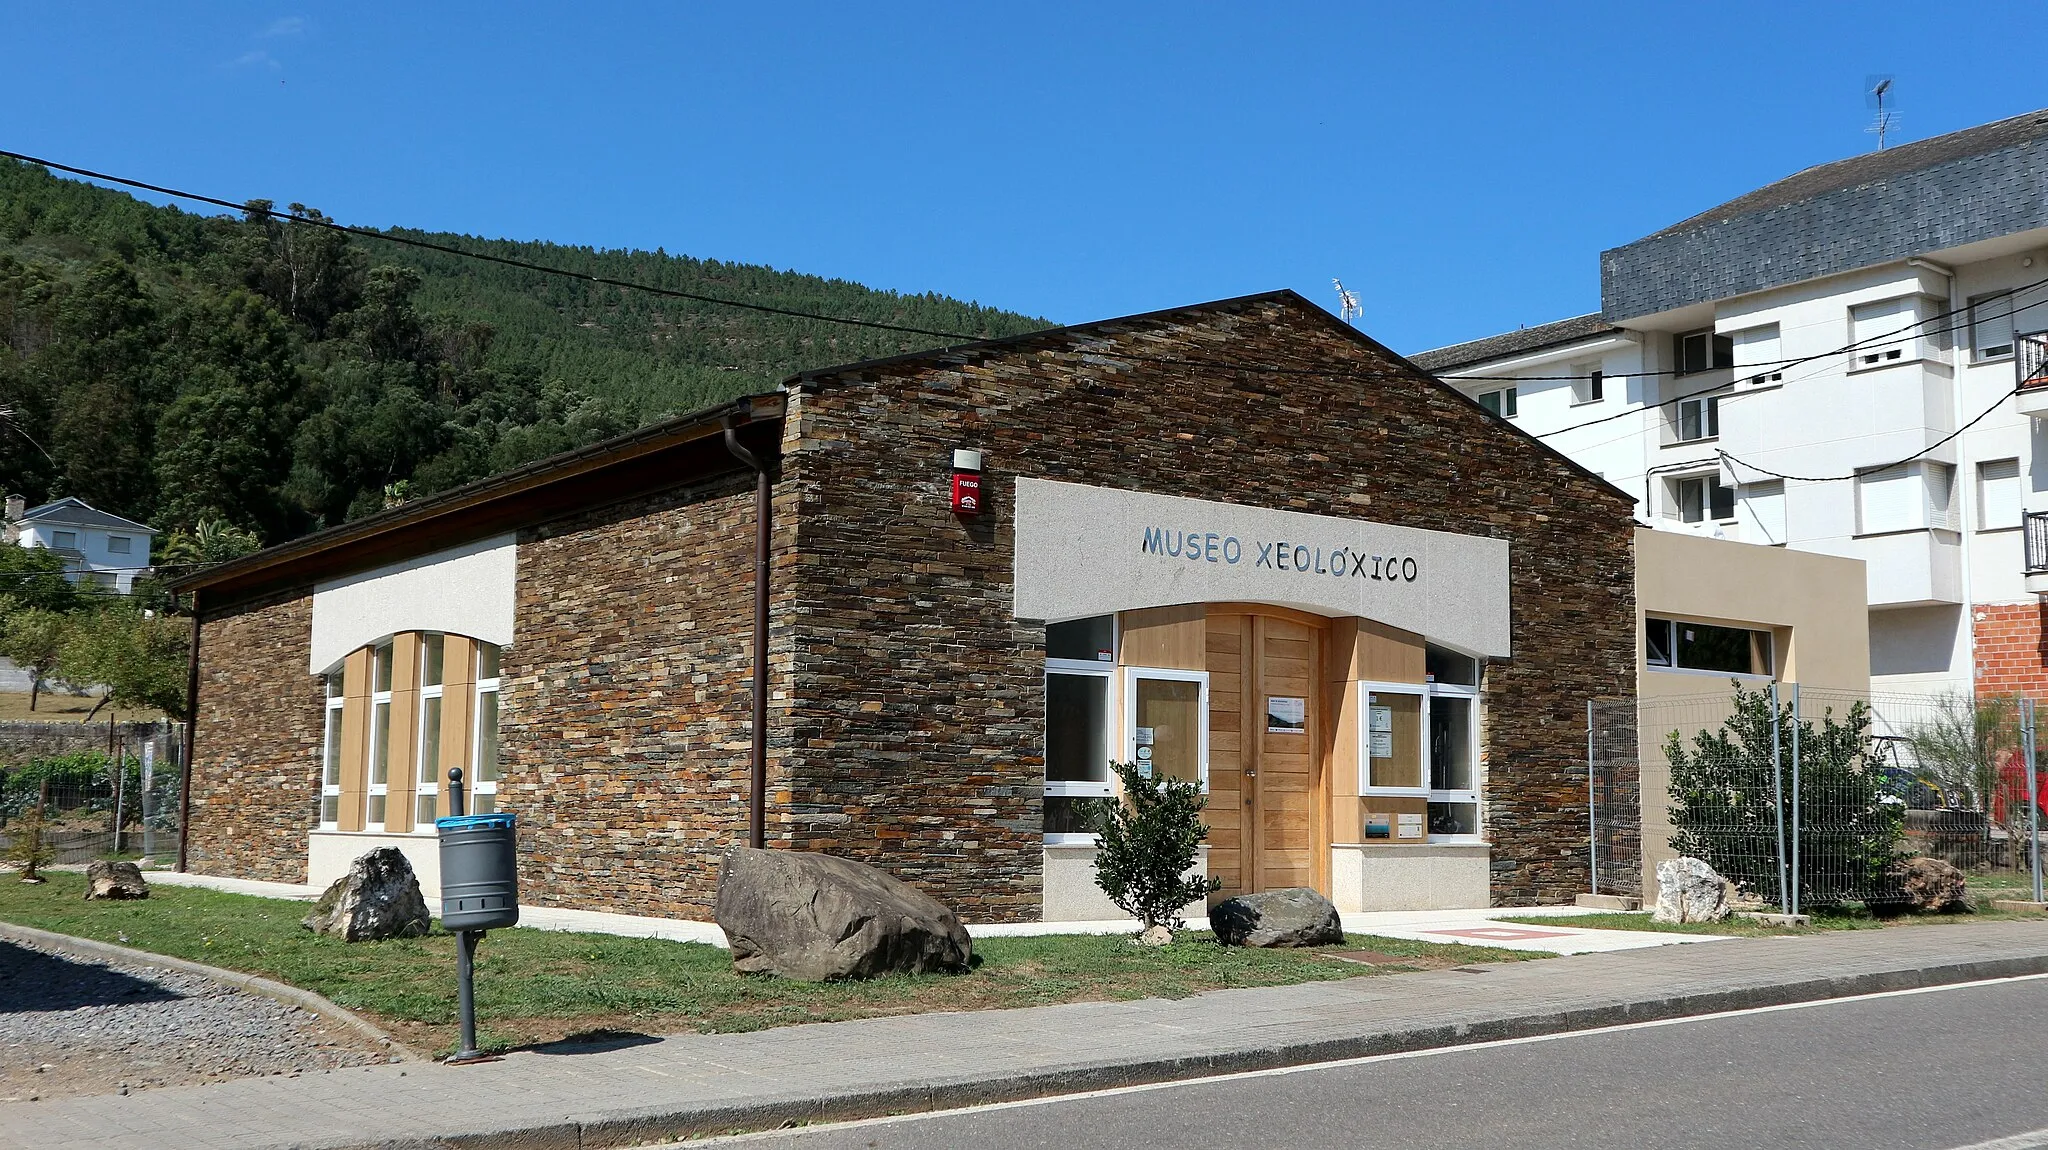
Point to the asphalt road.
(1957, 1067)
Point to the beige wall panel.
(1388, 654)
(355, 739)
(458, 708)
(1175, 637)
(1224, 648)
(405, 732)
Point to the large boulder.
(1688, 890)
(1932, 886)
(1294, 916)
(378, 898)
(818, 918)
(114, 880)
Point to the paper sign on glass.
(1383, 718)
(1286, 713)
(1382, 745)
(1143, 736)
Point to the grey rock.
(378, 898)
(1688, 890)
(816, 918)
(1292, 916)
(115, 880)
(1155, 935)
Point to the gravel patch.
(72, 1025)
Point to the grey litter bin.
(479, 872)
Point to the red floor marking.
(1502, 933)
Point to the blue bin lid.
(496, 820)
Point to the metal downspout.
(764, 503)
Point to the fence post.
(1778, 792)
(1592, 806)
(1796, 721)
(120, 789)
(2027, 733)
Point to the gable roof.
(72, 511)
(1880, 207)
(1557, 333)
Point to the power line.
(508, 261)
(1915, 457)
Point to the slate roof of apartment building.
(1918, 198)
(1557, 333)
(72, 511)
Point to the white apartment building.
(1827, 363)
(105, 550)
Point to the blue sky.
(1459, 165)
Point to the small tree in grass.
(1148, 842)
(29, 848)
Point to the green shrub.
(1148, 842)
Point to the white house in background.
(1722, 355)
(105, 549)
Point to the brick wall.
(2012, 651)
(916, 711)
(625, 713)
(256, 747)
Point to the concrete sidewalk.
(666, 1088)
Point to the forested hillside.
(278, 377)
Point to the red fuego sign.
(966, 493)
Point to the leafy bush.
(1148, 842)
(29, 848)
(1724, 802)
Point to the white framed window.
(1080, 670)
(1906, 497)
(1421, 741)
(119, 545)
(1681, 645)
(1990, 327)
(426, 799)
(380, 738)
(2000, 501)
(1699, 498)
(64, 540)
(1758, 358)
(1893, 331)
(330, 757)
(1501, 402)
(1166, 722)
(1589, 383)
(1695, 418)
(1696, 351)
(1453, 717)
(483, 766)
(1390, 760)
(1761, 509)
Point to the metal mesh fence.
(1614, 797)
(1806, 798)
(92, 804)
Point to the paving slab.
(692, 1084)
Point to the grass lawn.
(58, 707)
(536, 986)
(1857, 919)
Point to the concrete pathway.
(1476, 927)
(631, 1092)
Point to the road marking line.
(2030, 1141)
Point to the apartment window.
(1589, 383)
(119, 544)
(1999, 500)
(1698, 418)
(1906, 497)
(64, 540)
(1678, 645)
(1880, 333)
(426, 799)
(1696, 351)
(1758, 357)
(330, 757)
(1990, 327)
(1761, 509)
(483, 773)
(1079, 666)
(1501, 403)
(1453, 717)
(1700, 498)
(1422, 742)
(380, 737)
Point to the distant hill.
(280, 377)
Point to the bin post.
(465, 994)
(479, 892)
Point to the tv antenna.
(1874, 89)
(1347, 302)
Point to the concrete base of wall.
(1441, 876)
(1608, 902)
(1070, 893)
(330, 852)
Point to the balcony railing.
(2030, 360)
(2037, 542)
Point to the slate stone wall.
(257, 743)
(625, 711)
(914, 726)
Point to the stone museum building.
(1239, 542)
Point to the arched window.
(399, 714)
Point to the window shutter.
(1892, 499)
(1873, 328)
(1991, 327)
(1941, 495)
(1763, 512)
(1998, 494)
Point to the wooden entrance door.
(1266, 735)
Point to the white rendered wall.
(467, 590)
(1441, 876)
